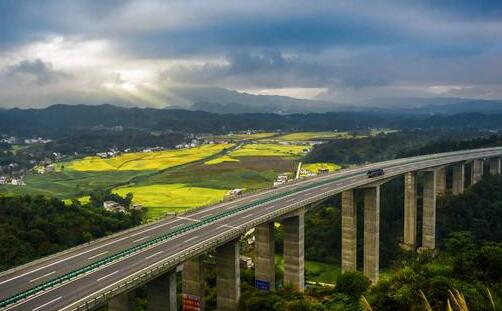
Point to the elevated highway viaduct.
(107, 271)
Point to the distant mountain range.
(58, 120)
(220, 100)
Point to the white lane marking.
(191, 239)
(43, 276)
(188, 218)
(47, 303)
(247, 216)
(97, 255)
(291, 200)
(89, 250)
(228, 226)
(141, 239)
(270, 207)
(153, 255)
(107, 276)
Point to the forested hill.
(61, 117)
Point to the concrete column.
(441, 181)
(429, 210)
(476, 171)
(495, 166)
(161, 293)
(193, 285)
(458, 180)
(228, 276)
(294, 261)
(410, 211)
(372, 232)
(122, 302)
(349, 232)
(264, 263)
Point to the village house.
(113, 206)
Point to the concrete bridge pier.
(193, 285)
(441, 181)
(372, 232)
(294, 260)
(495, 166)
(228, 276)
(122, 302)
(349, 231)
(410, 211)
(476, 171)
(161, 293)
(429, 210)
(265, 257)
(458, 180)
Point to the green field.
(308, 136)
(250, 173)
(69, 183)
(241, 137)
(315, 271)
(171, 198)
(138, 161)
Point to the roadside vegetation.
(36, 226)
(465, 275)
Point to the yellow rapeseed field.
(221, 159)
(315, 167)
(273, 150)
(163, 198)
(137, 161)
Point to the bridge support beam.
(458, 180)
(193, 285)
(228, 276)
(495, 166)
(349, 231)
(294, 261)
(410, 211)
(264, 256)
(161, 293)
(429, 210)
(476, 171)
(122, 302)
(372, 232)
(441, 181)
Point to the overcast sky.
(350, 51)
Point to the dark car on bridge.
(375, 172)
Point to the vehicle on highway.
(375, 172)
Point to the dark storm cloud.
(278, 44)
(35, 71)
